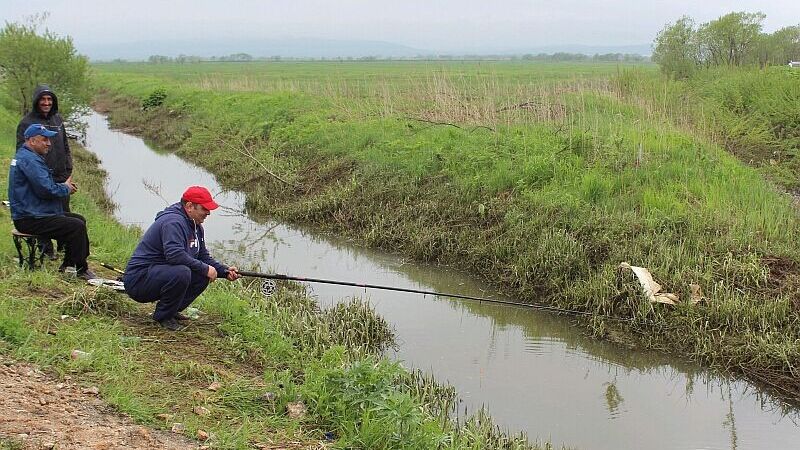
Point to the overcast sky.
(445, 25)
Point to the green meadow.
(235, 372)
(539, 178)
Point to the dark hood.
(38, 93)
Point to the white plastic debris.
(193, 313)
(651, 289)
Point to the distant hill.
(317, 48)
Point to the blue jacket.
(31, 189)
(173, 239)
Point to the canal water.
(534, 372)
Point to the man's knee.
(181, 274)
(75, 225)
(75, 216)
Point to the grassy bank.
(540, 184)
(237, 371)
(750, 112)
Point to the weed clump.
(155, 99)
(353, 324)
(93, 300)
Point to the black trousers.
(45, 245)
(69, 229)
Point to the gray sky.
(456, 25)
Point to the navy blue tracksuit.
(170, 264)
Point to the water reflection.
(535, 372)
(613, 398)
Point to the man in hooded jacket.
(171, 264)
(59, 158)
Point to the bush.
(155, 99)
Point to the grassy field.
(541, 178)
(261, 354)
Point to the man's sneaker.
(182, 316)
(68, 271)
(87, 275)
(171, 324)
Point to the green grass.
(750, 112)
(540, 178)
(263, 353)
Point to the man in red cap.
(171, 264)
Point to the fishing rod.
(281, 277)
(112, 268)
(268, 287)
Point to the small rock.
(178, 428)
(91, 390)
(296, 410)
(22, 436)
(214, 386)
(143, 433)
(42, 401)
(60, 386)
(201, 411)
(164, 417)
(269, 397)
(79, 354)
(64, 316)
(202, 435)
(47, 445)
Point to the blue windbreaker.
(173, 239)
(31, 189)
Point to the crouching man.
(171, 264)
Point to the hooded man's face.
(45, 104)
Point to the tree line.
(555, 57)
(235, 57)
(735, 39)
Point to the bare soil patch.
(38, 412)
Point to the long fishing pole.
(537, 306)
(277, 276)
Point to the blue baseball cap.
(38, 129)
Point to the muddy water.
(534, 371)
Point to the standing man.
(171, 264)
(37, 201)
(59, 159)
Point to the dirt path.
(38, 412)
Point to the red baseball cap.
(199, 196)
